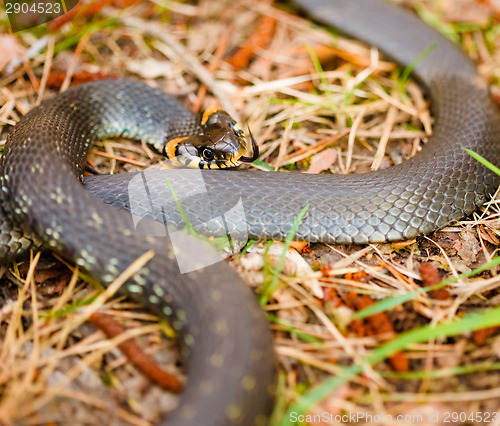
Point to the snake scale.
(225, 334)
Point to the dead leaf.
(150, 68)
(470, 246)
(322, 161)
(259, 39)
(489, 235)
(300, 246)
(10, 48)
(465, 11)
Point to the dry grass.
(54, 367)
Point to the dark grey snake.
(225, 333)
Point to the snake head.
(220, 144)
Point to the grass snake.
(225, 334)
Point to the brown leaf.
(480, 336)
(259, 39)
(470, 246)
(322, 161)
(429, 274)
(55, 80)
(300, 246)
(489, 236)
(10, 49)
(465, 11)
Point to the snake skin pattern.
(224, 333)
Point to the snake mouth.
(255, 150)
(192, 151)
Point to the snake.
(224, 333)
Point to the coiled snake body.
(225, 333)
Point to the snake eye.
(207, 154)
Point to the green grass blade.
(482, 160)
(440, 373)
(319, 70)
(405, 75)
(436, 21)
(264, 165)
(425, 333)
(218, 243)
(387, 304)
(293, 330)
(189, 227)
(268, 289)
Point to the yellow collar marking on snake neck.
(171, 147)
(208, 112)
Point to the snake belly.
(225, 334)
